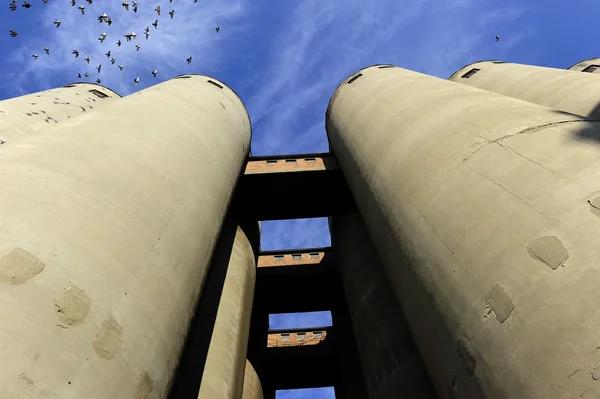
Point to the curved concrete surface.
(105, 240)
(577, 93)
(391, 363)
(478, 205)
(580, 66)
(252, 386)
(225, 363)
(20, 116)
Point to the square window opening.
(98, 93)
(591, 68)
(470, 73)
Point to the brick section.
(291, 259)
(297, 338)
(291, 163)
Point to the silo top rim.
(93, 84)
(581, 62)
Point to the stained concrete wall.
(577, 93)
(252, 387)
(478, 206)
(580, 66)
(391, 363)
(105, 239)
(226, 360)
(23, 115)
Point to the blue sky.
(285, 58)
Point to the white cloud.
(190, 33)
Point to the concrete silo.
(105, 239)
(484, 211)
(26, 114)
(252, 387)
(577, 93)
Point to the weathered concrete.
(391, 364)
(252, 387)
(226, 360)
(23, 115)
(577, 93)
(580, 66)
(105, 239)
(478, 205)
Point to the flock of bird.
(104, 18)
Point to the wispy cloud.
(327, 41)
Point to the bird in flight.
(189, 60)
(154, 72)
(26, 5)
(57, 23)
(87, 59)
(13, 7)
(102, 37)
(137, 47)
(126, 5)
(155, 24)
(90, 1)
(218, 28)
(157, 9)
(121, 67)
(172, 13)
(73, 2)
(108, 54)
(118, 43)
(82, 9)
(35, 56)
(47, 50)
(147, 32)
(76, 53)
(136, 80)
(78, 76)
(497, 37)
(13, 33)
(86, 74)
(98, 81)
(112, 61)
(99, 67)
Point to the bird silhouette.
(35, 56)
(57, 23)
(121, 67)
(82, 9)
(155, 24)
(99, 67)
(13, 33)
(154, 72)
(157, 9)
(26, 5)
(189, 60)
(87, 59)
(497, 38)
(172, 13)
(13, 7)
(47, 50)
(218, 28)
(136, 81)
(76, 53)
(126, 5)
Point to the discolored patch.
(144, 386)
(550, 250)
(108, 339)
(595, 206)
(18, 266)
(500, 302)
(72, 306)
(466, 359)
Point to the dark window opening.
(354, 78)
(313, 255)
(271, 161)
(215, 83)
(498, 62)
(98, 93)
(591, 68)
(386, 66)
(285, 337)
(69, 86)
(310, 160)
(296, 256)
(183, 77)
(470, 73)
(290, 160)
(278, 257)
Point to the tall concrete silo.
(26, 114)
(484, 210)
(591, 65)
(577, 93)
(391, 363)
(226, 362)
(252, 386)
(106, 237)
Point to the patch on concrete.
(595, 206)
(18, 266)
(72, 306)
(550, 250)
(596, 372)
(467, 360)
(500, 302)
(108, 339)
(143, 387)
